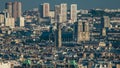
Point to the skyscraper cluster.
(60, 10)
(12, 15)
(14, 9)
(60, 16)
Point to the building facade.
(2, 18)
(57, 11)
(14, 9)
(9, 8)
(106, 21)
(83, 33)
(44, 10)
(17, 10)
(21, 22)
(63, 12)
(10, 22)
(73, 13)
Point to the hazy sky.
(82, 4)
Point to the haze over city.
(59, 34)
(82, 4)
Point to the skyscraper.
(106, 21)
(44, 10)
(63, 11)
(8, 6)
(73, 13)
(79, 30)
(83, 31)
(12, 13)
(57, 11)
(21, 21)
(10, 22)
(2, 18)
(17, 9)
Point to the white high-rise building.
(106, 21)
(73, 13)
(10, 22)
(2, 17)
(21, 21)
(63, 11)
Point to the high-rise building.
(106, 21)
(21, 21)
(63, 11)
(73, 13)
(44, 10)
(2, 18)
(41, 10)
(10, 22)
(57, 11)
(8, 6)
(79, 26)
(17, 10)
(83, 33)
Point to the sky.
(82, 4)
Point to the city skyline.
(82, 4)
(64, 37)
